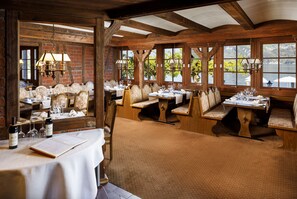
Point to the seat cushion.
(218, 113)
(281, 119)
(145, 104)
(181, 110)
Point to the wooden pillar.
(99, 72)
(141, 55)
(12, 65)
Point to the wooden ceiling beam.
(114, 27)
(182, 21)
(146, 27)
(156, 6)
(238, 14)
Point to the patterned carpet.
(155, 160)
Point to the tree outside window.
(233, 70)
(127, 67)
(279, 65)
(150, 63)
(173, 71)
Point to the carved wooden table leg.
(163, 106)
(245, 117)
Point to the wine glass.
(30, 132)
(42, 130)
(34, 130)
(21, 133)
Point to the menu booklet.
(56, 146)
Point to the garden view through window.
(150, 66)
(127, 68)
(173, 64)
(233, 70)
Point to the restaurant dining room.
(148, 99)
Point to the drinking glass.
(42, 130)
(34, 130)
(21, 133)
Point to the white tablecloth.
(26, 174)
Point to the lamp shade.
(59, 57)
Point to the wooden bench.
(202, 113)
(284, 121)
(133, 101)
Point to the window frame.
(34, 56)
(128, 68)
(172, 71)
(237, 61)
(278, 58)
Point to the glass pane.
(210, 77)
(153, 54)
(196, 78)
(168, 76)
(270, 50)
(230, 65)
(130, 74)
(130, 54)
(178, 53)
(166, 64)
(168, 53)
(229, 51)
(269, 80)
(211, 71)
(244, 51)
(29, 65)
(24, 54)
(193, 54)
(288, 65)
(287, 50)
(28, 74)
(229, 78)
(24, 74)
(287, 81)
(177, 76)
(270, 65)
(244, 79)
(28, 54)
(124, 54)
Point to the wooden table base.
(245, 116)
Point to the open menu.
(56, 146)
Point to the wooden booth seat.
(284, 121)
(133, 101)
(202, 113)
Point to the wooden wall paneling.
(99, 72)
(160, 72)
(12, 65)
(187, 65)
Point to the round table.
(27, 174)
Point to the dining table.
(246, 105)
(166, 99)
(28, 174)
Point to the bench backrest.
(136, 94)
(146, 90)
(211, 98)
(217, 95)
(155, 87)
(203, 102)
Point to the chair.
(109, 124)
(60, 100)
(81, 101)
(41, 92)
(76, 88)
(59, 88)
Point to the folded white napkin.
(178, 98)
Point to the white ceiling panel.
(134, 30)
(160, 23)
(267, 10)
(209, 16)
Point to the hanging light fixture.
(121, 62)
(175, 63)
(50, 63)
(251, 64)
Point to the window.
(29, 57)
(279, 65)
(233, 70)
(173, 64)
(150, 66)
(196, 68)
(127, 68)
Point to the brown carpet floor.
(155, 160)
